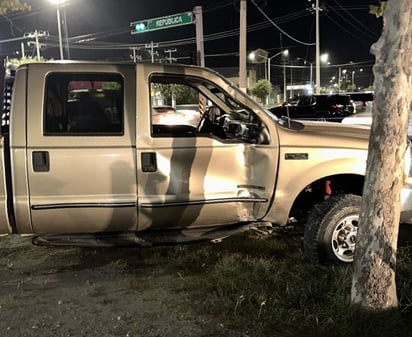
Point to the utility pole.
(23, 55)
(151, 46)
(36, 34)
(170, 51)
(317, 49)
(134, 55)
(242, 46)
(37, 44)
(199, 36)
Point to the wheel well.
(320, 189)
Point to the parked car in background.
(363, 101)
(317, 107)
(182, 114)
(364, 115)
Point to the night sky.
(347, 29)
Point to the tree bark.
(373, 282)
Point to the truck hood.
(323, 134)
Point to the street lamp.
(341, 72)
(58, 3)
(311, 70)
(285, 53)
(323, 58)
(259, 56)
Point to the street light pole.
(353, 80)
(59, 26)
(311, 75)
(285, 53)
(66, 35)
(58, 3)
(339, 79)
(322, 58)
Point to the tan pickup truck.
(145, 154)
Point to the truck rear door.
(81, 148)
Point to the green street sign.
(163, 22)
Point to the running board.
(146, 238)
(128, 239)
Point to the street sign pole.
(199, 36)
(242, 47)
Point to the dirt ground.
(105, 292)
(49, 291)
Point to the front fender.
(300, 167)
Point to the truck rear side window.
(83, 104)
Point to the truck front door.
(209, 159)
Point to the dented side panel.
(200, 181)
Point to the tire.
(331, 230)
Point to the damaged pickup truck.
(146, 154)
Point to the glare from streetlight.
(324, 58)
(57, 2)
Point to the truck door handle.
(149, 162)
(41, 162)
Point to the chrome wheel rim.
(343, 238)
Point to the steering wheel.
(205, 125)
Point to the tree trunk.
(373, 282)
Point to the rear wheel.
(331, 230)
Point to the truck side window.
(175, 110)
(85, 104)
(184, 106)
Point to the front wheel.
(331, 230)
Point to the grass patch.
(263, 287)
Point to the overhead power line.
(90, 41)
(354, 18)
(280, 29)
(359, 26)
